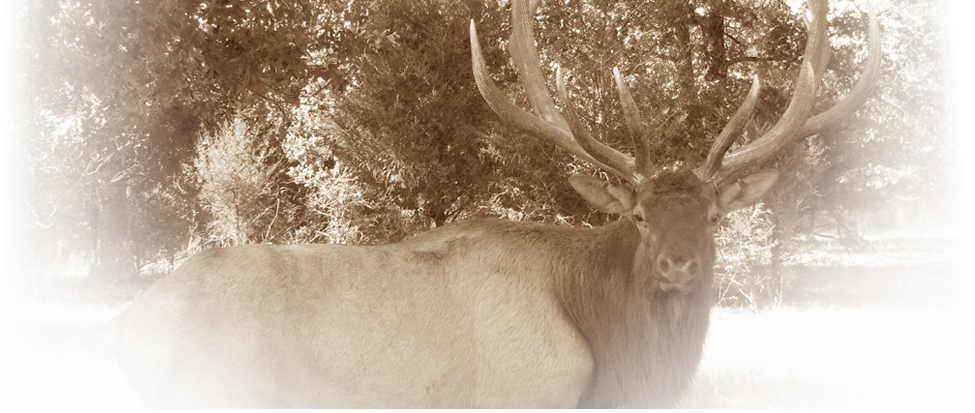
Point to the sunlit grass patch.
(835, 358)
(58, 356)
(65, 391)
(755, 390)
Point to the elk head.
(675, 211)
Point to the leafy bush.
(744, 273)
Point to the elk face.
(675, 213)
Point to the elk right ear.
(746, 191)
(602, 195)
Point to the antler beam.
(548, 124)
(569, 133)
(795, 123)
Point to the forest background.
(142, 132)
(136, 133)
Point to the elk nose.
(677, 268)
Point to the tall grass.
(925, 217)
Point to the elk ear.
(602, 195)
(746, 191)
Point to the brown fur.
(646, 343)
(486, 313)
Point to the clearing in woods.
(885, 327)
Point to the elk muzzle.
(677, 270)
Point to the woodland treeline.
(154, 129)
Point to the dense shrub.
(744, 274)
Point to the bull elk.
(484, 313)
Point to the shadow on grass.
(938, 285)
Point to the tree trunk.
(114, 258)
(712, 26)
(778, 251)
(685, 58)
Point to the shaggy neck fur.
(646, 343)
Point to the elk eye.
(637, 218)
(714, 219)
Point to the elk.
(481, 313)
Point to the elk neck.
(646, 343)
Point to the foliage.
(891, 154)
(744, 274)
(349, 217)
(898, 148)
(124, 89)
(168, 218)
(244, 186)
(409, 125)
(359, 122)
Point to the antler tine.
(861, 90)
(795, 123)
(634, 123)
(731, 131)
(601, 152)
(549, 125)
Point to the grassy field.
(890, 328)
(887, 328)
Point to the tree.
(410, 123)
(246, 191)
(125, 89)
(901, 152)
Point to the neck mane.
(646, 344)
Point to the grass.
(798, 391)
(889, 328)
(832, 357)
(57, 357)
(56, 353)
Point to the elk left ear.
(746, 191)
(602, 195)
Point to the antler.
(549, 124)
(569, 133)
(795, 123)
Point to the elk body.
(486, 313)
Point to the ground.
(886, 327)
